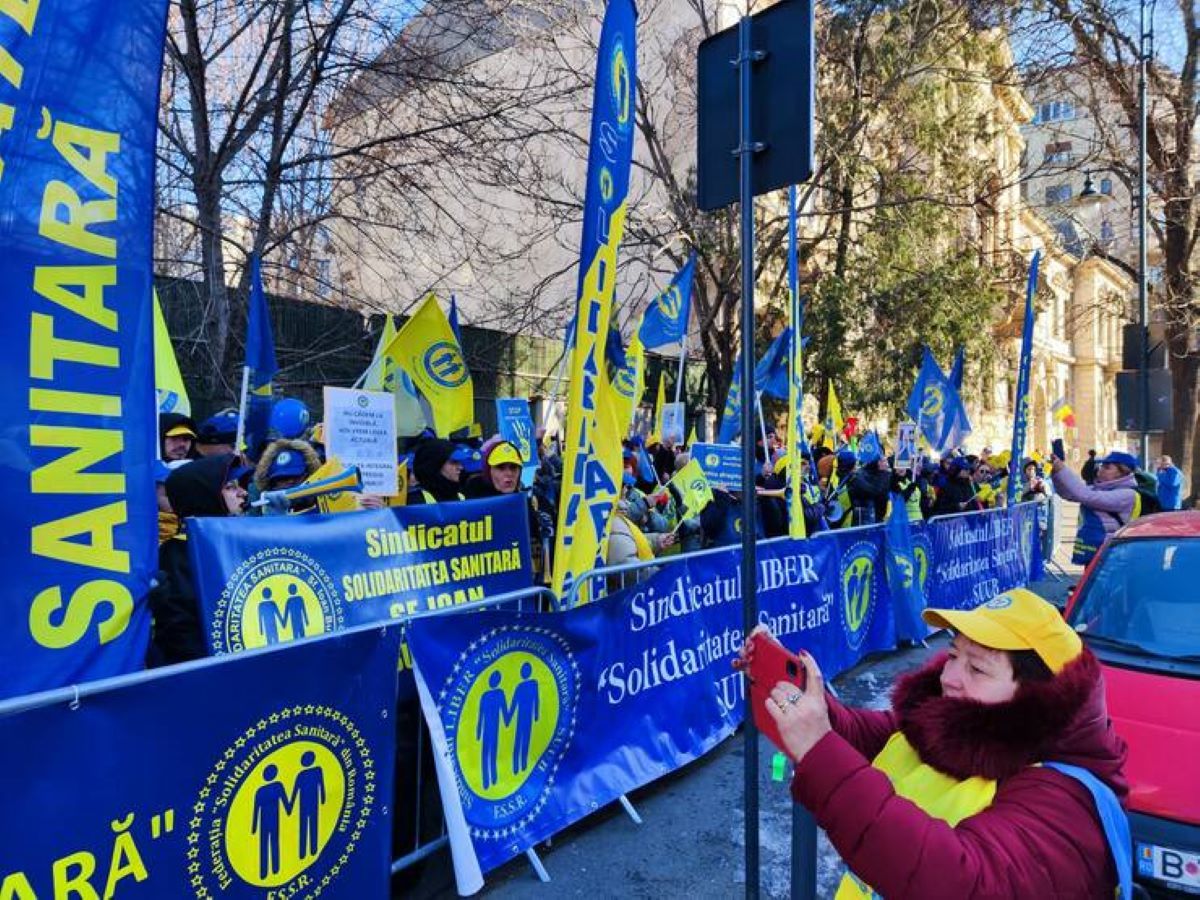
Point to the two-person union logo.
(509, 712)
(277, 595)
(858, 591)
(284, 807)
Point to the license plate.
(1178, 868)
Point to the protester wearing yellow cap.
(995, 773)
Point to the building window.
(1058, 193)
(1106, 187)
(1107, 232)
(1058, 153)
(1055, 111)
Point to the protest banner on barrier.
(538, 721)
(257, 776)
(966, 560)
(79, 87)
(360, 430)
(722, 463)
(263, 581)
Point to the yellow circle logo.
(858, 592)
(509, 714)
(514, 704)
(288, 806)
(621, 85)
(277, 595)
(932, 401)
(284, 808)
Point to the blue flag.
(771, 373)
(869, 449)
(1021, 408)
(903, 573)
(453, 319)
(731, 424)
(936, 407)
(956, 371)
(666, 321)
(79, 88)
(260, 363)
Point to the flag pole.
(762, 424)
(241, 429)
(682, 365)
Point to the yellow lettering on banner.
(45, 349)
(75, 402)
(54, 283)
(60, 198)
(52, 539)
(6, 116)
(23, 12)
(65, 475)
(10, 70)
(82, 608)
(71, 140)
(16, 887)
(77, 883)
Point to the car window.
(1146, 593)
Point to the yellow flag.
(659, 403)
(616, 399)
(427, 350)
(384, 375)
(692, 439)
(834, 423)
(168, 383)
(693, 487)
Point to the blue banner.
(79, 88)
(966, 560)
(666, 320)
(722, 464)
(264, 581)
(1021, 406)
(260, 364)
(515, 425)
(265, 775)
(538, 721)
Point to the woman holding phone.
(991, 776)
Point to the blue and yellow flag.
(731, 423)
(693, 487)
(428, 351)
(384, 375)
(260, 364)
(589, 491)
(1021, 409)
(937, 409)
(666, 321)
(168, 382)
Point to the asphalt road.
(690, 843)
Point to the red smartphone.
(771, 663)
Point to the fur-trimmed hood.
(1062, 720)
(312, 462)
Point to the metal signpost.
(771, 147)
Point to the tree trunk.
(216, 319)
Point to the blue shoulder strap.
(1112, 818)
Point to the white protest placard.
(360, 430)
(673, 415)
(906, 445)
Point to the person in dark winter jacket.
(957, 493)
(957, 790)
(204, 487)
(436, 471)
(868, 488)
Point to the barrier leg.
(538, 868)
(633, 813)
(804, 854)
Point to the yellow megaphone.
(277, 503)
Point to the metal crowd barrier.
(428, 823)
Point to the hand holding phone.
(770, 663)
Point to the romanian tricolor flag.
(589, 492)
(1063, 413)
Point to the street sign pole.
(745, 151)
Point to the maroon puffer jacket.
(1041, 837)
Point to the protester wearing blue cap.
(217, 434)
(285, 464)
(290, 418)
(1105, 506)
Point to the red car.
(1138, 609)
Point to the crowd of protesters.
(852, 483)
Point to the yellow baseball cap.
(180, 431)
(1016, 620)
(504, 453)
